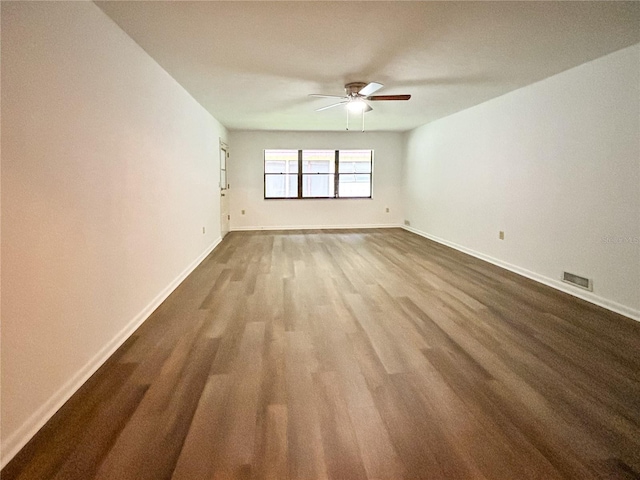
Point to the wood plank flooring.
(360, 354)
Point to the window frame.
(297, 174)
(300, 176)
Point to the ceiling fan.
(356, 94)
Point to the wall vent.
(577, 280)
(407, 223)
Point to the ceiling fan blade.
(389, 97)
(367, 108)
(325, 96)
(331, 106)
(370, 88)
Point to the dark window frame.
(300, 175)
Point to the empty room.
(320, 240)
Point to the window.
(318, 173)
(354, 173)
(281, 173)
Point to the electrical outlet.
(242, 212)
(501, 235)
(203, 230)
(386, 209)
(407, 223)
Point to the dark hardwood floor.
(370, 354)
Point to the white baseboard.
(557, 284)
(313, 227)
(18, 439)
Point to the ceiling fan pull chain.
(347, 118)
(363, 121)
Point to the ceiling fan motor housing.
(354, 87)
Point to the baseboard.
(550, 282)
(313, 227)
(37, 420)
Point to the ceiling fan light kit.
(356, 94)
(356, 105)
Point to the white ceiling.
(252, 64)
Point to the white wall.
(246, 177)
(555, 165)
(109, 173)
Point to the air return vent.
(577, 280)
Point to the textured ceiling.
(252, 64)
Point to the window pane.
(275, 166)
(317, 166)
(318, 185)
(280, 186)
(355, 161)
(280, 161)
(318, 161)
(281, 166)
(354, 185)
(292, 186)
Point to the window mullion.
(370, 173)
(299, 173)
(336, 176)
